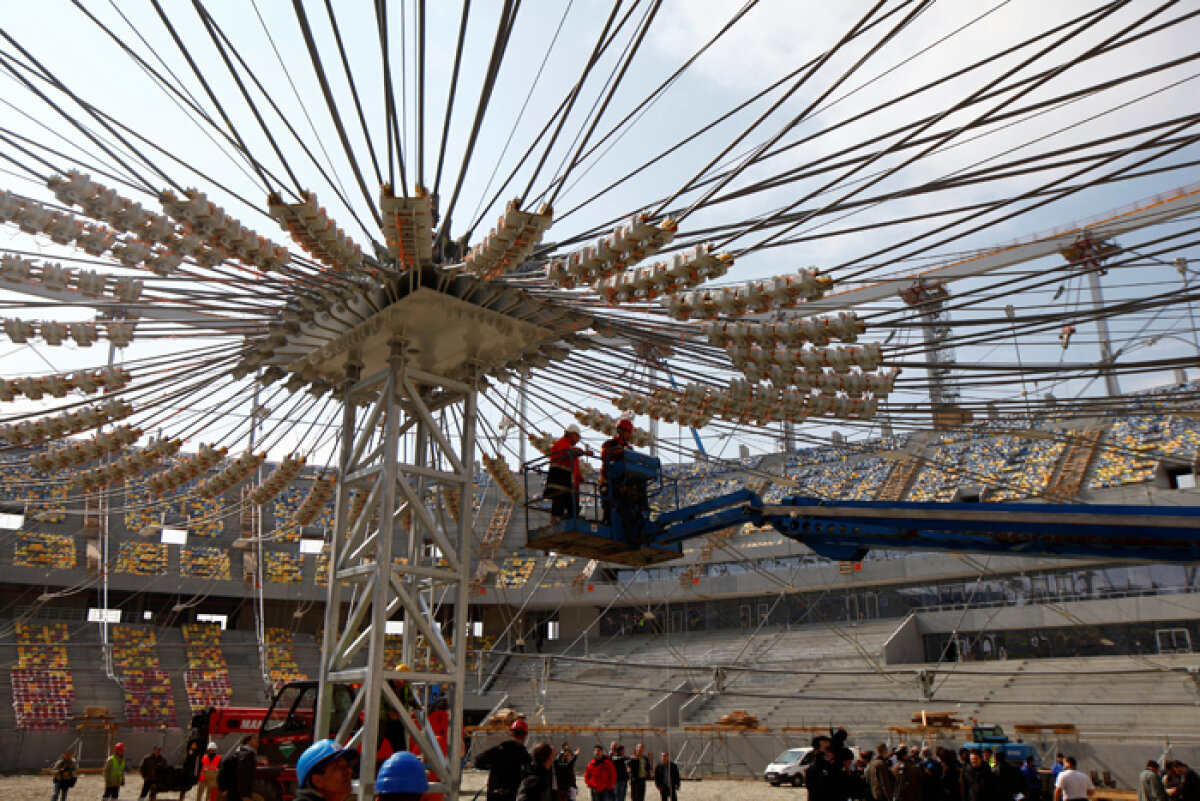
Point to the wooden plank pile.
(937, 720)
(931, 724)
(738, 719)
(502, 720)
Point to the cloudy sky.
(801, 108)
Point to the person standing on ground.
(821, 778)
(1033, 782)
(150, 769)
(64, 772)
(1058, 767)
(243, 761)
(506, 764)
(1012, 781)
(564, 773)
(206, 779)
(640, 771)
(538, 784)
(666, 778)
(880, 782)
(564, 477)
(1170, 778)
(621, 763)
(908, 775)
(852, 784)
(1188, 788)
(1150, 786)
(931, 776)
(600, 776)
(979, 783)
(1072, 784)
(114, 772)
(951, 787)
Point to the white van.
(789, 767)
(792, 764)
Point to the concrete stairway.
(92, 686)
(1070, 476)
(8, 656)
(901, 477)
(245, 670)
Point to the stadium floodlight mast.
(403, 357)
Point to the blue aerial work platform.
(631, 534)
(629, 538)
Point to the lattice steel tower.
(929, 298)
(407, 359)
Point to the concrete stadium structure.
(746, 620)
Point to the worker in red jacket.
(565, 476)
(601, 776)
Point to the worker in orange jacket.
(207, 780)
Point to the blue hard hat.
(401, 773)
(317, 755)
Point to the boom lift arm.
(847, 530)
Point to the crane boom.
(1153, 211)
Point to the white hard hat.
(212, 746)
(573, 429)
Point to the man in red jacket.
(564, 478)
(601, 776)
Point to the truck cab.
(993, 737)
(284, 729)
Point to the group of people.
(1173, 780)
(323, 773)
(325, 770)
(970, 774)
(517, 774)
(154, 768)
(904, 774)
(565, 475)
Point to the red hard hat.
(119, 747)
(520, 726)
(625, 424)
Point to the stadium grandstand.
(747, 619)
(302, 307)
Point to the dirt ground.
(38, 788)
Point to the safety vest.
(114, 771)
(208, 763)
